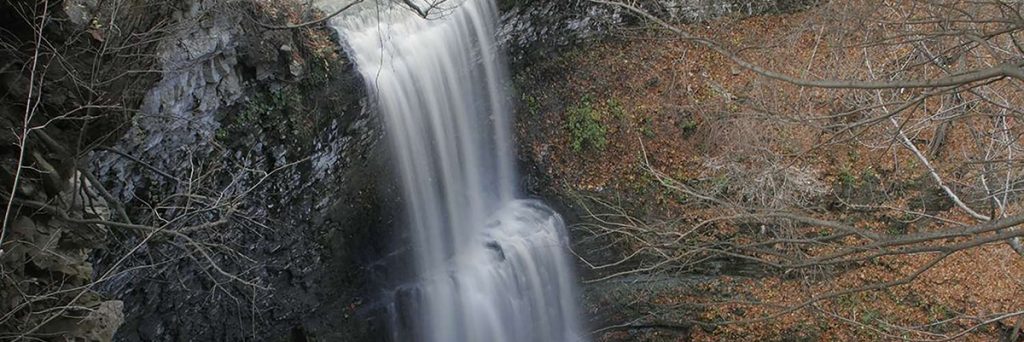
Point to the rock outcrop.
(257, 148)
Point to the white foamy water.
(489, 267)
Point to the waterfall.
(489, 266)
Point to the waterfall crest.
(489, 267)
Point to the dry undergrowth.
(706, 122)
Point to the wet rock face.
(259, 147)
(700, 10)
(80, 12)
(532, 29)
(178, 115)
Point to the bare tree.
(934, 84)
(75, 88)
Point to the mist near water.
(488, 266)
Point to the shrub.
(585, 127)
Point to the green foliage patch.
(585, 127)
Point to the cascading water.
(489, 267)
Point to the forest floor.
(597, 120)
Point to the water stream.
(488, 266)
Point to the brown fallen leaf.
(97, 35)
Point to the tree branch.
(1011, 69)
(308, 23)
